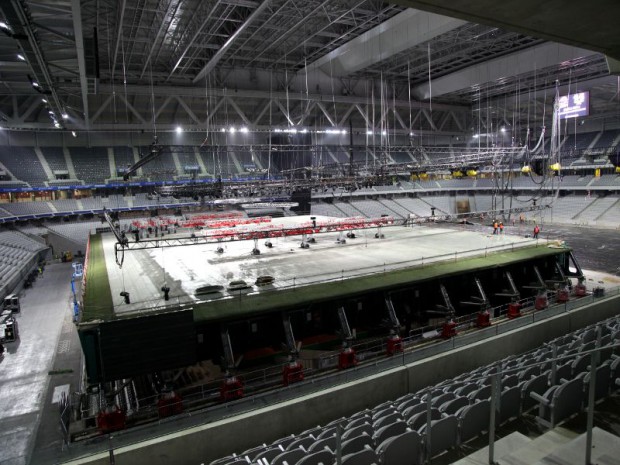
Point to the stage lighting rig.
(154, 151)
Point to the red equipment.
(541, 302)
(111, 419)
(514, 310)
(483, 319)
(292, 372)
(170, 403)
(394, 344)
(231, 389)
(347, 358)
(580, 290)
(448, 329)
(562, 295)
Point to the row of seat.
(406, 431)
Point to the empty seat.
(443, 398)
(559, 402)
(363, 457)
(304, 442)
(324, 457)
(602, 382)
(473, 420)
(414, 410)
(358, 430)
(510, 404)
(410, 402)
(327, 432)
(579, 365)
(356, 444)
(510, 381)
(467, 389)
(362, 420)
(289, 457)
(538, 384)
(480, 394)
(443, 434)
(268, 454)
(405, 448)
(419, 419)
(454, 405)
(388, 431)
(321, 444)
(254, 451)
(386, 420)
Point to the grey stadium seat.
(559, 402)
(323, 457)
(389, 431)
(454, 405)
(444, 434)
(358, 430)
(356, 444)
(290, 456)
(473, 420)
(404, 449)
(363, 457)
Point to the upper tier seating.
(24, 164)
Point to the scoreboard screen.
(574, 105)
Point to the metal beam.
(79, 46)
(118, 35)
(224, 48)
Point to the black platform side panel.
(146, 345)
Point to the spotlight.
(73, 134)
(244, 130)
(503, 129)
(222, 130)
(179, 130)
(44, 100)
(65, 116)
(21, 57)
(476, 136)
(232, 130)
(57, 125)
(384, 133)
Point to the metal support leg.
(591, 398)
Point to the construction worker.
(536, 231)
(495, 226)
(501, 227)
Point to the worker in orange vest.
(501, 227)
(495, 226)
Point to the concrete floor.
(26, 386)
(185, 269)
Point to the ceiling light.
(223, 130)
(232, 130)
(44, 100)
(304, 130)
(503, 129)
(369, 133)
(57, 124)
(4, 25)
(476, 136)
(21, 57)
(73, 134)
(179, 129)
(35, 84)
(244, 130)
(344, 131)
(65, 116)
(383, 133)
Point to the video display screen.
(574, 105)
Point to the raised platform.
(404, 255)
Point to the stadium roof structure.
(368, 65)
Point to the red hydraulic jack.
(394, 344)
(293, 372)
(111, 419)
(483, 319)
(562, 295)
(170, 403)
(231, 389)
(448, 329)
(347, 358)
(514, 310)
(541, 302)
(580, 288)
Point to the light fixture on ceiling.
(21, 57)
(65, 116)
(244, 130)
(73, 133)
(232, 130)
(179, 129)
